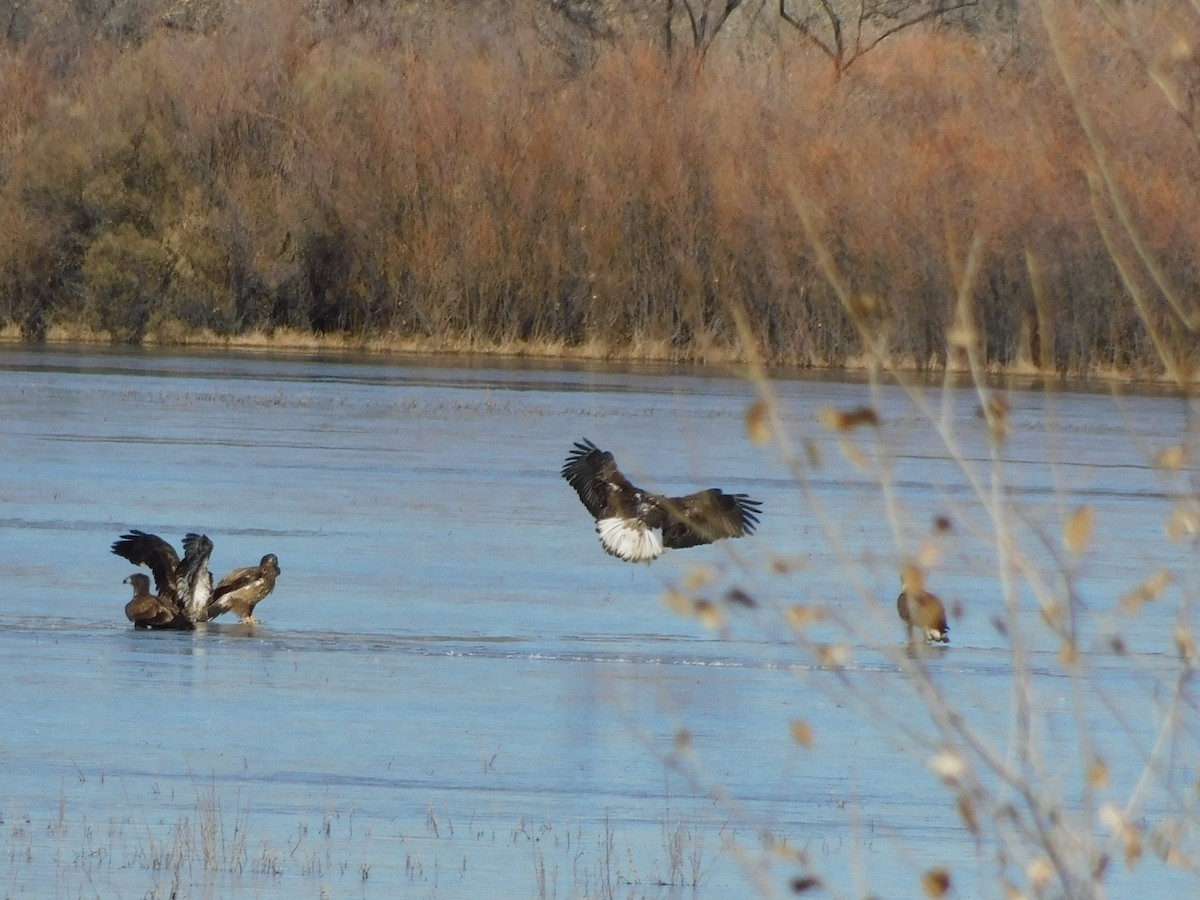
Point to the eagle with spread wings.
(636, 525)
(183, 586)
(184, 593)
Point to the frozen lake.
(454, 692)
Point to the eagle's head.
(140, 582)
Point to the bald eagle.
(183, 585)
(919, 609)
(242, 589)
(636, 525)
(146, 610)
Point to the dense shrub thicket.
(461, 183)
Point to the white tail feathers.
(629, 539)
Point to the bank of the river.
(284, 340)
(470, 180)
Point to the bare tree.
(705, 19)
(584, 14)
(573, 29)
(846, 30)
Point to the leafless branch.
(824, 24)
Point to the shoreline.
(641, 353)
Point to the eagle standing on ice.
(147, 610)
(241, 590)
(636, 525)
(183, 586)
(921, 610)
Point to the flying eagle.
(918, 608)
(184, 586)
(242, 589)
(636, 525)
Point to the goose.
(638, 526)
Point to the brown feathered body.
(919, 609)
(182, 586)
(146, 610)
(638, 526)
(243, 589)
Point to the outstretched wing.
(594, 475)
(193, 578)
(144, 549)
(707, 516)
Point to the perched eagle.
(918, 608)
(146, 610)
(184, 586)
(636, 525)
(241, 590)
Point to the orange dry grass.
(452, 184)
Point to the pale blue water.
(456, 693)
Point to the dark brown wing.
(148, 611)
(921, 609)
(932, 614)
(144, 549)
(594, 475)
(145, 610)
(707, 516)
